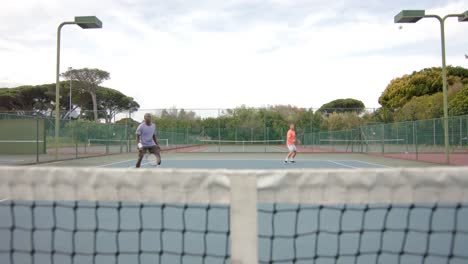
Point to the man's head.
(148, 118)
(291, 126)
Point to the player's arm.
(138, 137)
(297, 138)
(154, 138)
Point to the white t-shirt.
(146, 134)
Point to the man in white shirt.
(146, 139)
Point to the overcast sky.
(224, 53)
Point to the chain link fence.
(31, 138)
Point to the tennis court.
(243, 161)
(232, 202)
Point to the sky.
(196, 54)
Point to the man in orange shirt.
(291, 144)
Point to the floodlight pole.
(444, 82)
(84, 22)
(413, 16)
(57, 89)
(69, 112)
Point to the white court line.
(113, 163)
(146, 164)
(1, 161)
(370, 163)
(214, 160)
(4, 200)
(149, 163)
(282, 150)
(341, 164)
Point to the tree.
(425, 82)
(342, 106)
(383, 115)
(26, 98)
(340, 121)
(459, 102)
(111, 102)
(421, 107)
(90, 78)
(127, 121)
(40, 99)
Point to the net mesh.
(244, 145)
(392, 233)
(63, 215)
(97, 232)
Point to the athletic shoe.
(285, 162)
(292, 161)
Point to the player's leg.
(140, 157)
(286, 160)
(293, 154)
(156, 150)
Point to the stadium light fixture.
(85, 22)
(413, 16)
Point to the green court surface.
(244, 161)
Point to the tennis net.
(215, 145)
(130, 144)
(85, 215)
(360, 145)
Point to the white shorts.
(292, 148)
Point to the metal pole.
(444, 89)
(415, 130)
(219, 132)
(444, 82)
(461, 128)
(69, 113)
(383, 139)
(57, 89)
(37, 139)
(126, 136)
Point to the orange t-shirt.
(291, 137)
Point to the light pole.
(69, 112)
(84, 22)
(413, 16)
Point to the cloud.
(210, 53)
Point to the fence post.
(75, 139)
(466, 121)
(173, 137)
(219, 132)
(406, 136)
(108, 138)
(461, 128)
(127, 140)
(383, 139)
(451, 129)
(415, 140)
(37, 139)
(86, 140)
